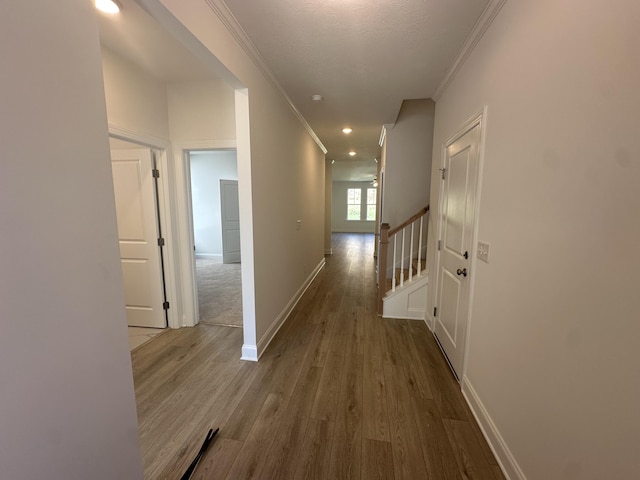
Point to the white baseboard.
(505, 458)
(250, 353)
(328, 251)
(208, 255)
(264, 342)
(429, 320)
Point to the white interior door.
(457, 228)
(136, 211)
(230, 214)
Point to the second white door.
(456, 244)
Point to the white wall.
(287, 172)
(136, 101)
(67, 408)
(339, 222)
(553, 349)
(207, 169)
(407, 161)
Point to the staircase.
(402, 274)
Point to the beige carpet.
(219, 292)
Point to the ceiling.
(363, 56)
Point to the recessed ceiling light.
(108, 6)
(347, 130)
(316, 98)
(352, 153)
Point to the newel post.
(382, 264)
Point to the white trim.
(226, 17)
(506, 460)
(137, 137)
(266, 339)
(208, 255)
(328, 251)
(479, 119)
(245, 201)
(481, 26)
(217, 144)
(429, 320)
(383, 133)
(249, 353)
(396, 304)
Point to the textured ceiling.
(363, 56)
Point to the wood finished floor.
(339, 394)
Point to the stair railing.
(386, 234)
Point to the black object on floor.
(203, 448)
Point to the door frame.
(184, 224)
(481, 120)
(159, 147)
(184, 210)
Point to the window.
(361, 207)
(371, 204)
(353, 203)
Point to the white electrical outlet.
(483, 251)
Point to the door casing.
(477, 119)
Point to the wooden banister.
(409, 221)
(385, 233)
(382, 264)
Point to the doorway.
(216, 236)
(457, 226)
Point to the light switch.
(298, 224)
(483, 251)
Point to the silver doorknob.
(462, 272)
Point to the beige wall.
(339, 222)
(287, 172)
(553, 346)
(201, 110)
(67, 407)
(407, 161)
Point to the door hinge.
(161, 242)
(435, 311)
(156, 173)
(443, 170)
(165, 306)
(439, 244)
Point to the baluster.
(411, 253)
(393, 281)
(382, 264)
(420, 248)
(402, 259)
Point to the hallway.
(339, 394)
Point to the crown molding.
(383, 133)
(481, 26)
(225, 15)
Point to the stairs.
(409, 300)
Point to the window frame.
(364, 205)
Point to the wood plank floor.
(339, 394)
